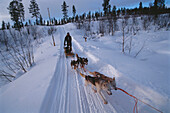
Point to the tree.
(74, 11)
(34, 10)
(123, 25)
(8, 25)
(97, 15)
(156, 4)
(159, 7)
(140, 5)
(16, 10)
(114, 11)
(48, 23)
(123, 11)
(89, 16)
(114, 18)
(118, 12)
(160, 4)
(106, 6)
(3, 25)
(140, 8)
(65, 11)
(41, 20)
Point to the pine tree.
(65, 11)
(97, 15)
(106, 6)
(114, 18)
(160, 4)
(34, 10)
(118, 12)
(77, 18)
(3, 25)
(140, 8)
(156, 4)
(44, 22)
(16, 10)
(114, 11)
(48, 23)
(89, 16)
(56, 23)
(41, 20)
(74, 11)
(8, 25)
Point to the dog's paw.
(105, 102)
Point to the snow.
(25, 94)
(51, 86)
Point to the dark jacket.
(68, 39)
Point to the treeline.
(16, 10)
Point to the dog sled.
(68, 52)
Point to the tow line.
(136, 101)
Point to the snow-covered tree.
(106, 6)
(34, 10)
(16, 10)
(74, 11)
(65, 11)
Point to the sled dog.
(100, 84)
(82, 61)
(111, 81)
(74, 64)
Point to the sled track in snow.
(63, 94)
(66, 92)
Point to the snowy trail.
(63, 94)
(66, 92)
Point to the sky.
(80, 5)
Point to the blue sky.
(81, 6)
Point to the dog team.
(97, 81)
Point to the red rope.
(135, 98)
(136, 101)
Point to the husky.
(100, 84)
(82, 61)
(74, 64)
(111, 81)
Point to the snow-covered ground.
(51, 86)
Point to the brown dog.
(100, 84)
(111, 81)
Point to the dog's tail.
(82, 75)
(92, 73)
